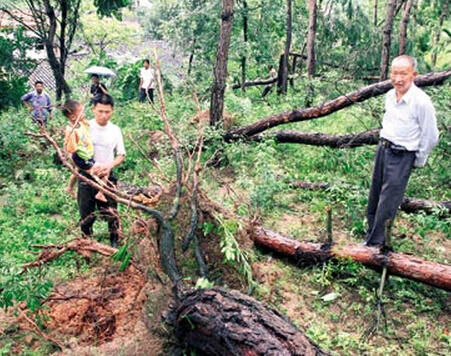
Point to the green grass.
(334, 303)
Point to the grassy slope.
(335, 303)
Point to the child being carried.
(78, 143)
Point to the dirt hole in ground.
(97, 309)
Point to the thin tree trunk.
(220, 72)
(245, 37)
(386, 41)
(375, 13)
(191, 57)
(311, 38)
(443, 15)
(404, 24)
(282, 89)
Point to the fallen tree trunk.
(370, 137)
(409, 205)
(255, 83)
(398, 264)
(330, 106)
(225, 322)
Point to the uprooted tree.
(220, 322)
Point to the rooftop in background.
(7, 21)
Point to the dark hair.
(95, 76)
(103, 99)
(38, 82)
(69, 107)
(146, 61)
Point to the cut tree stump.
(398, 264)
(223, 322)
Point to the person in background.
(109, 152)
(146, 83)
(409, 133)
(97, 87)
(39, 103)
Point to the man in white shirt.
(109, 152)
(409, 133)
(146, 83)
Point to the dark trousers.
(390, 176)
(145, 95)
(87, 205)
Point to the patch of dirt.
(98, 309)
(107, 312)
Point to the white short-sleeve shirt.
(108, 142)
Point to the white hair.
(410, 59)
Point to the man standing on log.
(409, 133)
(109, 152)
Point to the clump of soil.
(97, 309)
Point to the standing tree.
(443, 15)
(375, 13)
(283, 71)
(220, 72)
(311, 38)
(386, 42)
(403, 27)
(55, 24)
(245, 18)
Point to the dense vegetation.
(334, 303)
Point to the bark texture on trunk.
(220, 72)
(225, 322)
(398, 264)
(282, 89)
(404, 24)
(311, 38)
(386, 41)
(370, 137)
(330, 106)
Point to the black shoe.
(114, 244)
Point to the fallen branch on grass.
(83, 247)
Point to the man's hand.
(101, 170)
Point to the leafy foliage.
(111, 7)
(13, 66)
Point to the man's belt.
(397, 149)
